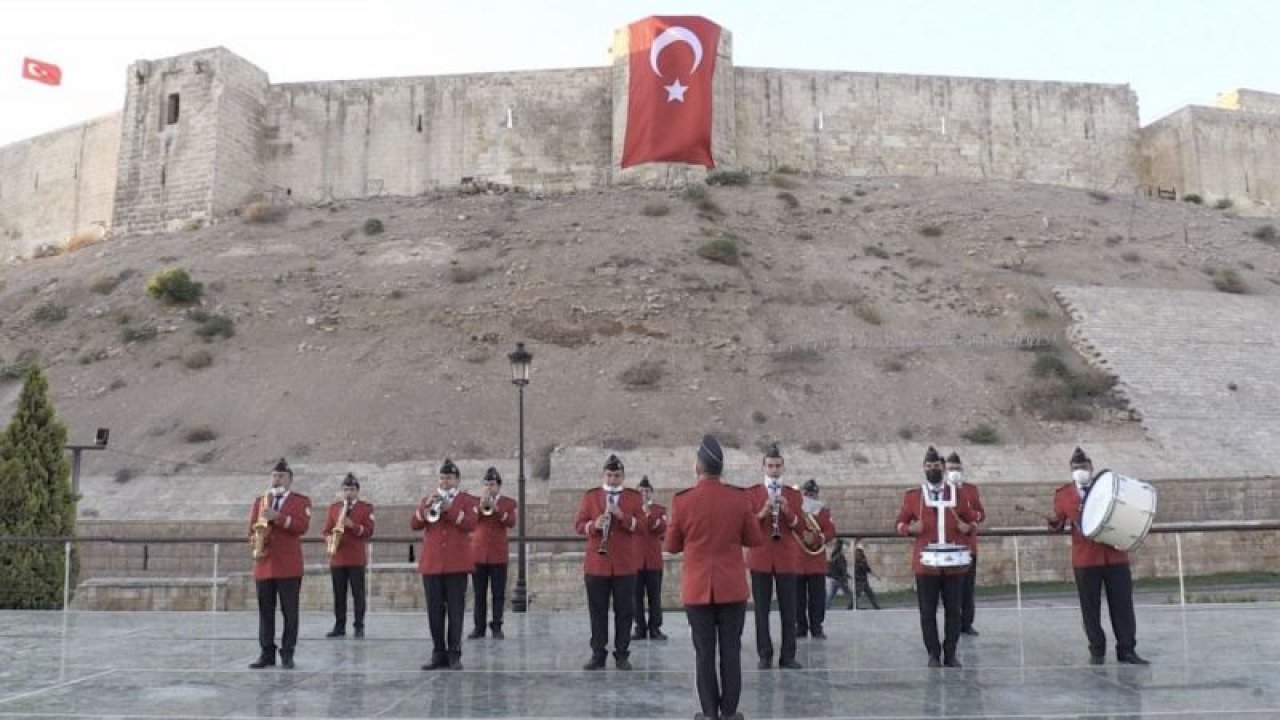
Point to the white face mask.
(1081, 477)
(955, 477)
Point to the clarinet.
(610, 501)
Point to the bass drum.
(1119, 511)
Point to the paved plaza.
(1208, 661)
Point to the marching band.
(785, 532)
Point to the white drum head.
(1099, 503)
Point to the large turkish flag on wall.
(673, 59)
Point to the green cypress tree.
(35, 500)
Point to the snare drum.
(945, 555)
(1118, 511)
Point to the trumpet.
(339, 528)
(489, 504)
(261, 527)
(435, 509)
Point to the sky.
(1171, 52)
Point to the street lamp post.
(520, 360)
(99, 443)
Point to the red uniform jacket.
(711, 522)
(650, 532)
(783, 555)
(971, 499)
(353, 550)
(913, 508)
(817, 564)
(446, 544)
(284, 538)
(489, 541)
(1084, 552)
(623, 557)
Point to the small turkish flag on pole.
(671, 64)
(41, 72)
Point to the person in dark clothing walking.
(838, 575)
(861, 569)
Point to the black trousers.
(762, 586)
(929, 588)
(862, 587)
(621, 589)
(648, 588)
(721, 625)
(286, 591)
(446, 598)
(486, 578)
(966, 598)
(811, 602)
(1119, 585)
(344, 577)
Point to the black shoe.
(657, 635)
(497, 634)
(475, 634)
(1097, 659)
(1133, 659)
(735, 716)
(286, 659)
(790, 665)
(266, 659)
(455, 663)
(622, 663)
(968, 631)
(819, 635)
(765, 663)
(337, 632)
(935, 661)
(595, 663)
(802, 632)
(951, 662)
(437, 663)
(359, 631)
(640, 635)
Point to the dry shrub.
(656, 209)
(200, 434)
(723, 250)
(779, 180)
(642, 375)
(84, 238)
(264, 212)
(196, 358)
(460, 275)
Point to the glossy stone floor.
(1209, 661)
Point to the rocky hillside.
(820, 312)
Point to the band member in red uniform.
(776, 562)
(811, 586)
(711, 522)
(446, 518)
(610, 516)
(969, 497)
(277, 522)
(649, 576)
(489, 551)
(1096, 566)
(916, 518)
(349, 553)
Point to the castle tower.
(189, 141)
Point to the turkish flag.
(41, 72)
(673, 59)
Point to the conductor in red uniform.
(918, 519)
(1096, 566)
(497, 515)
(446, 518)
(609, 516)
(278, 573)
(351, 556)
(710, 523)
(652, 529)
(775, 563)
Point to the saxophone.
(339, 528)
(261, 528)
